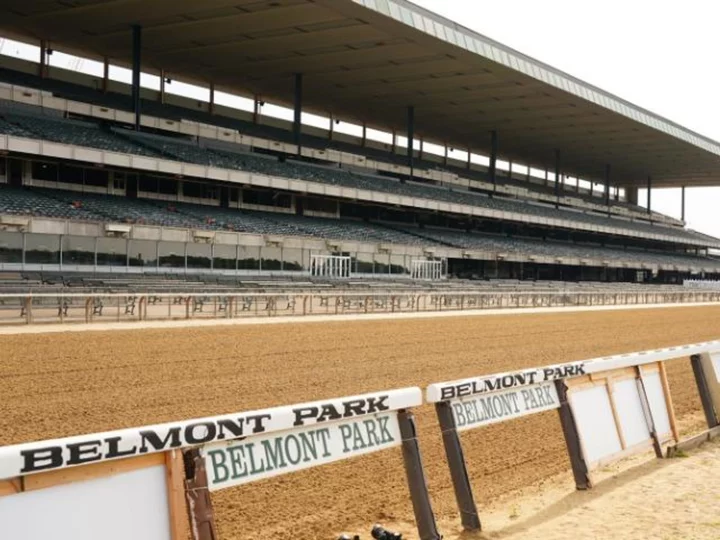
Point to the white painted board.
(630, 412)
(595, 423)
(132, 505)
(255, 458)
(483, 409)
(658, 404)
(715, 357)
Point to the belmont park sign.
(480, 401)
(248, 446)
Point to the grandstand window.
(271, 258)
(78, 250)
(148, 184)
(3, 167)
(397, 264)
(96, 177)
(365, 263)
(382, 263)
(248, 258)
(292, 259)
(192, 189)
(142, 253)
(266, 198)
(234, 195)
(224, 257)
(199, 255)
(111, 252)
(44, 171)
(69, 174)
(42, 249)
(11, 247)
(167, 186)
(171, 255)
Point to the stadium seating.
(58, 129)
(95, 207)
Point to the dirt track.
(64, 384)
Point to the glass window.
(96, 177)
(382, 263)
(271, 258)
(78, 250)
(70, 174)
(11, 244)
(172, 254)
(364, 263)
(397, 264)
(143, 253)
(111, 252)
(248, 258)
(224, 257)
(44, 171)
(292, 259)
(42, 249)
(199, 255)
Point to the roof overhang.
(367, 61)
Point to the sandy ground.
(62, 384)
(661, 499)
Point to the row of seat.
(55, 128)
(103, 208)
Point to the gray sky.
(660, 55)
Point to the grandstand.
(101, 178)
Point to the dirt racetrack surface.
(64, 384)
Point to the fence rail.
(44, 308)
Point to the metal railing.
(44, 308)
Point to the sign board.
(483, 409)
(37, 457)
(447, 391)
(715, 359)
(255, 458)
(132, 504)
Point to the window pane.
(111, 252)
(172, 255)
(42, 249)
(199, 255)
(398, 264)
(271, 257)
(11, 247)
(78, 250)
(365, 263)
(248, 258)
(292, 259)
(143, 253)
(224, 257)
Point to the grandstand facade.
(97, 176)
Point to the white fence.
(330, 266)
(425, 270)
(702, 284)
(26, 308)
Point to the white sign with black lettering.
(254, 458)
(483, 409)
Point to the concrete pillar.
(136, 63)
(297, 117)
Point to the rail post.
(572, 438)
(202, 515)
(422, 508)
(458, 469)
(704, 390)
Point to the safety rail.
(106, 307)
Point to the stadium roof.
(367, 60)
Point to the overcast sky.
(660, 55)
